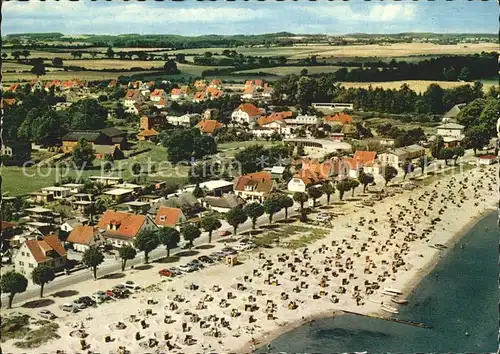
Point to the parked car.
(80, 304)
(216, 256)
(185, 246)
(46, 314)
(69, 308)
(166, 273)
(129, 284)
(242, 246)
(224, 233)
(196, 263)
(187, 268)
(228, 251)
(99, 297)
(87, 300)
(205, 259)
(176, 271)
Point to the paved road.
(66, 281)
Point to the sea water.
(459, 299)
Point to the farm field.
(68, 75)
(373, 50)
(418, 86)
(101, 64)
(289, 70)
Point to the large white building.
(246, 113)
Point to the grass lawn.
(244, 144)
(18, 181)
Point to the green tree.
(470, 114)
(108, 163)
(353, 184)
(328, 189)
(190, 233)
(210, 223)
(389, 172)
(110, 53)
(83, 154)
(146, 241)
(126, 253)
(489, 115)
(38, 68)
(476, 137)
(57, 61)
(254, 211)
(271, 206)
(301, 198)
(286, 202)
(459, 151)
(235, 217)
(198, 192)
(13, 283)
(136, 168)
(169, 237)
(422, 163)
(92, 258)
(446, 154)
(41, 275)
(436, 146)
(343, 186)
(408, 167)
(365, 179)
(314, 193)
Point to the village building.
(171, 217)
(120, 228)
(396, 157)
(338, 119)
(82, 202)
(133, 97)
(452, 114)
(487, 160)
(147, 135)
(84, 237)
(452, 134)
(246, 113)
(362, 161)
(157, 95)
(214, 188)
(208, 127)
(152, 122)
(57, 192)
(222, 204)
(106, 180)
(138, 207)
(254, 186)
(32, 253)
(186, 120)
(120, 195)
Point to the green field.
(68, 75)
(289, 70)
(19, 181)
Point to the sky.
(249, 17)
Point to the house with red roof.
(171, 217)
(254, 186)
(83, 237)
(338, 119)
(209, 126)
(362, 160)
(132, 101)
(216, 83)
(120, 228)
(177, 93)
(47, 250)
(157, 95)
(246, 113)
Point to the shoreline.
(412, 284)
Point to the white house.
(396, 157)
(48, 250)
(186, 120)
(302, 120)
(246, 113)
(57, 192)
(83, 237)
(133, 97)
(451, 130)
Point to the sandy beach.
(237, 309)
